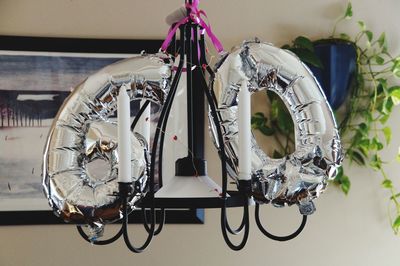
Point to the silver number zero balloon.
(301, 176)
(80, 166)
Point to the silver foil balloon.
(301, 176)
(80, 166)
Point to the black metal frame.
(84, 45)
(194, 164)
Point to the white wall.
(350, 230)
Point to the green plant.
(370, 103)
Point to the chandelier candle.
(244, 132)
(124, 132)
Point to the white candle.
(244, 127)
(144, 122)
(124, 134)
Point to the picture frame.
(47, 54)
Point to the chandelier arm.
(274, 237)
(224, 222)
(139, 114)
(165, 112)
(165, 122)
(99, 242)
(159, 135)
(221, 150)
(204, 63)
(209, 70)
(161, 224)
(203, 58)
(237, 230)
(127, 241)
(191, 67)
(173, 50)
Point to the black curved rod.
(237, 230)
(224, 220)
(125, 229)
(221, 152)
(99, 242)
(274, 237)
(162, 120)
(168, 110)
(224, 223)
(139, 114)
(165, 112)
(161, 224)
(203, 60)
(163, 116)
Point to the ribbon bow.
(196, 16)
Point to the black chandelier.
(190, 52)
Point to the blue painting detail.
(339, 66)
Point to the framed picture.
(36, 75)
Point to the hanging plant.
(363, 101)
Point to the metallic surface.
(80, 166)
(301, 176)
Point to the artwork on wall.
(36, 76)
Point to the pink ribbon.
(196, 16)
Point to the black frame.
(84, 45)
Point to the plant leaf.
(398, 156)
(387, 183)
(345, 184)
(364, 146)
(387, 132)
(349, 11)
(395, 196)
(383, 42)
(382, 39)
(344, 36)
(285, 122)
(338, 178)
(396, 67)
(274, 109)
(379, 60)
(376, 144)
(277, 155)
(370, 35)
(384, 119)
(389, 105)
(363, 129)
(259, 114)
(258, 118)
(266, 130)
(394, 92)
(304, 43)
(362, 25)
(385, 105)
(357, 157)
(396, 223)
(375, 162)
(382, 86)
(308, 57)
